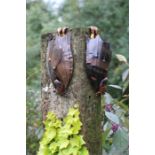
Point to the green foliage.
(115, 129)
(121, 77)
(110, 16)
(62, 137)
(34, 127)
(36, 14)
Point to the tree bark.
(79, 92)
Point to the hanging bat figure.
(60, 60)
(98, 57)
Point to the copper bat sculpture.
(98, 57)
(60, 59)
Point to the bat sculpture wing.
(60, 60)
(98, 57)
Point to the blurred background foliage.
(110, 16)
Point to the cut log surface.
(79, 92)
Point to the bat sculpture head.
(93, 31)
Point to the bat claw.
(99, 93)
(102, 87)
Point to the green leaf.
(51, 117)
(121, 58)
(84, 151)
(125, 75)
(76, 127)
(73, 112)
(63, 143)
(70, 151)
(43, 151)
(104, 136)
(74, 142)
(50, 134)
(53, 147)
(115, 86)
(114, 118)
(108, 98)
(68, 120)
(81, 140)
(55, 124)
(77, 140)
(120, 140)
(64, 132)
(44, 141)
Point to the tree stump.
(79, 92)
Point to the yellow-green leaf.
(63, 143)
(53, 147)
(84, 151)
(43, 151)
(50, 134)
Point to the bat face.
(98, 56)
(60, 60)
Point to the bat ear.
(65, 30)
(59, 31)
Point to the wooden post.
(79, 91)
